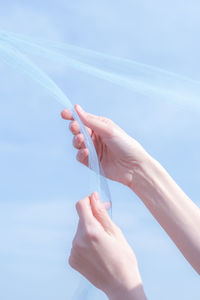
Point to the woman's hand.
(118, 153)
(124, 160)
(102, 255)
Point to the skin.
(94, 253)
(124, 160)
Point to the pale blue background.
(40, 179)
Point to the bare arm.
(101, 253)
(125, 160)
(171, 207)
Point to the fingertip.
(95, 201)
(62, 114)
(79, 109)
(76, 106)
(66, 114)
(96, 197)
(82, 205)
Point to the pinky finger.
(82, 156)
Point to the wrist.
(141, 170)
(130, 287)
(147, 180)
(151, 183)
(136, 293)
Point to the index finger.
(66, 114)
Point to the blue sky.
(40, 178)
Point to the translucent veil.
(144, 79)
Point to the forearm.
(171, 207)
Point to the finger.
(99, 125)
(66, 114)
(89, 131)
(107, 205)
(84, 211)
(100, 213)
(82, 156)
(78, 141)
(74, 127)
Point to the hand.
(101, 253)
(118, 153)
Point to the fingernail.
(96, 196)
(80, 109)
(107, 205)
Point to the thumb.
(100, 213)
(100, 125)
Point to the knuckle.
(76, 246)
(91, 235)
(107, 120)
(79, 244)
(74, 243)
(78, 205)
(110, 125)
